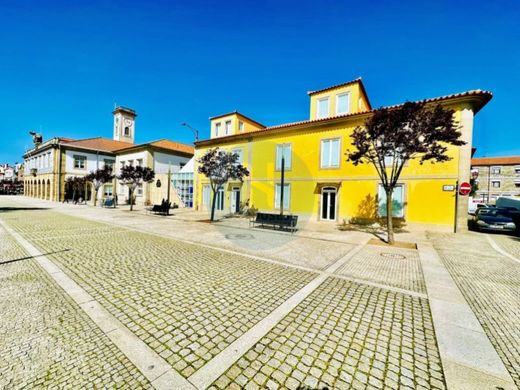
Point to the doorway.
(328, 204)
(235, 200)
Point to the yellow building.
(320, 185)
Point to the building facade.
(495, 177)
(49, 164)
(320, 185)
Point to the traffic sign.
(464, 188)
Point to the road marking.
(212, 370)
(500, 250)
(160, 374)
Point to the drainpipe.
(59, 171)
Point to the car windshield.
(494, 213)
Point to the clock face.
(128, 123)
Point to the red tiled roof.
(484, 95)
(239, 114)
(174, 146)
(100, 143)
(506, 160)
(164, 144)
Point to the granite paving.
(47, 341)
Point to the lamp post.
(193, 130)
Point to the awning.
(321, 185)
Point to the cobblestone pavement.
(510, 244)
(186, 302)
(345, 335)
(46, 340)
(390, 266)
(490, 283)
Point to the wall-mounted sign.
(448, 188)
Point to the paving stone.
(47, 340)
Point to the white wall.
(94, 161)
(162, 162)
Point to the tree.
(132, 176)
(77, 183)
(99, 177)
(393, 136)
(219, 167)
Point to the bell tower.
(124, 124)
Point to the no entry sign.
(464, 188)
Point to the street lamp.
(194, 131)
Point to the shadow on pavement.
(7, 209)
(32, 257)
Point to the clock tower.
(124, 124)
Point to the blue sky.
(63, 65)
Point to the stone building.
(496, 176)
(50, 163)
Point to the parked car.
(494, 219)
(474, 206)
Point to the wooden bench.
(282, 221)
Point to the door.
(328, 204)
(206, 194)
(235, 200)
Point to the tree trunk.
(215, 192)
(131, 196)
(95, 195)
(389, 222)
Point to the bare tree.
(219, 167)
(393, 136)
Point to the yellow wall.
(425, 200)
(358, 100)
(235, 119)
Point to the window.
(206, 196)
(109, 164)
(79, 162)
(130, 163)
(496, 170)
(397, 201)
(322, 111)
(140, 162)
(217, 129)
(241, 126)
(219, 201)
(122, 164)
(517, 184)
(181, 165)
(239, 152)
(227, 127)
(278, 195)
(517, 170)
(108, 190)
(285, 151)
(139, 190)
(330, 153)
(495, 183)
(342, 103)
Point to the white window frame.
(218, 126)
(79, 158)
(139, 162)
(318, 101)
(380, 189)
(286, 196)
(496, 167)
(347, 94)
(240, 153)
(227, 127)
(278, 158)
(241, 126)
(220, 199)
(496, 181)
(139, 190)
(105, 192)
(330, 143)
(517, 169)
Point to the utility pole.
(282, 181)
(169, 184)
